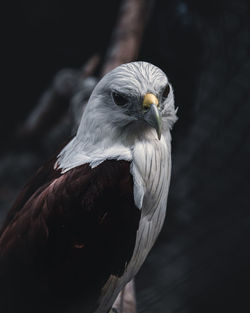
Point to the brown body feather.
(65, 235)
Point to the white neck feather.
(107, 145)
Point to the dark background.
(201, 260)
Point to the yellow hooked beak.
(151, 113)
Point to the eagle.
(83, 225)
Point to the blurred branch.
(127, 35)
(90, 66)
(55, 101)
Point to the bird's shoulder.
(50, 192)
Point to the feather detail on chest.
(151, 168)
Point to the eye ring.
(119, 99)
(166, 92)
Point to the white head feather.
(108, 131)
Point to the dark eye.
(119, 99)
(166, 91)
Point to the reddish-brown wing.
(65, 235)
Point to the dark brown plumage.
(65, 235)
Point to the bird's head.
(133, 100)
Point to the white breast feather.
(150, 167)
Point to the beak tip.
(153, 118)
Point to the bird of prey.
(84, 224)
